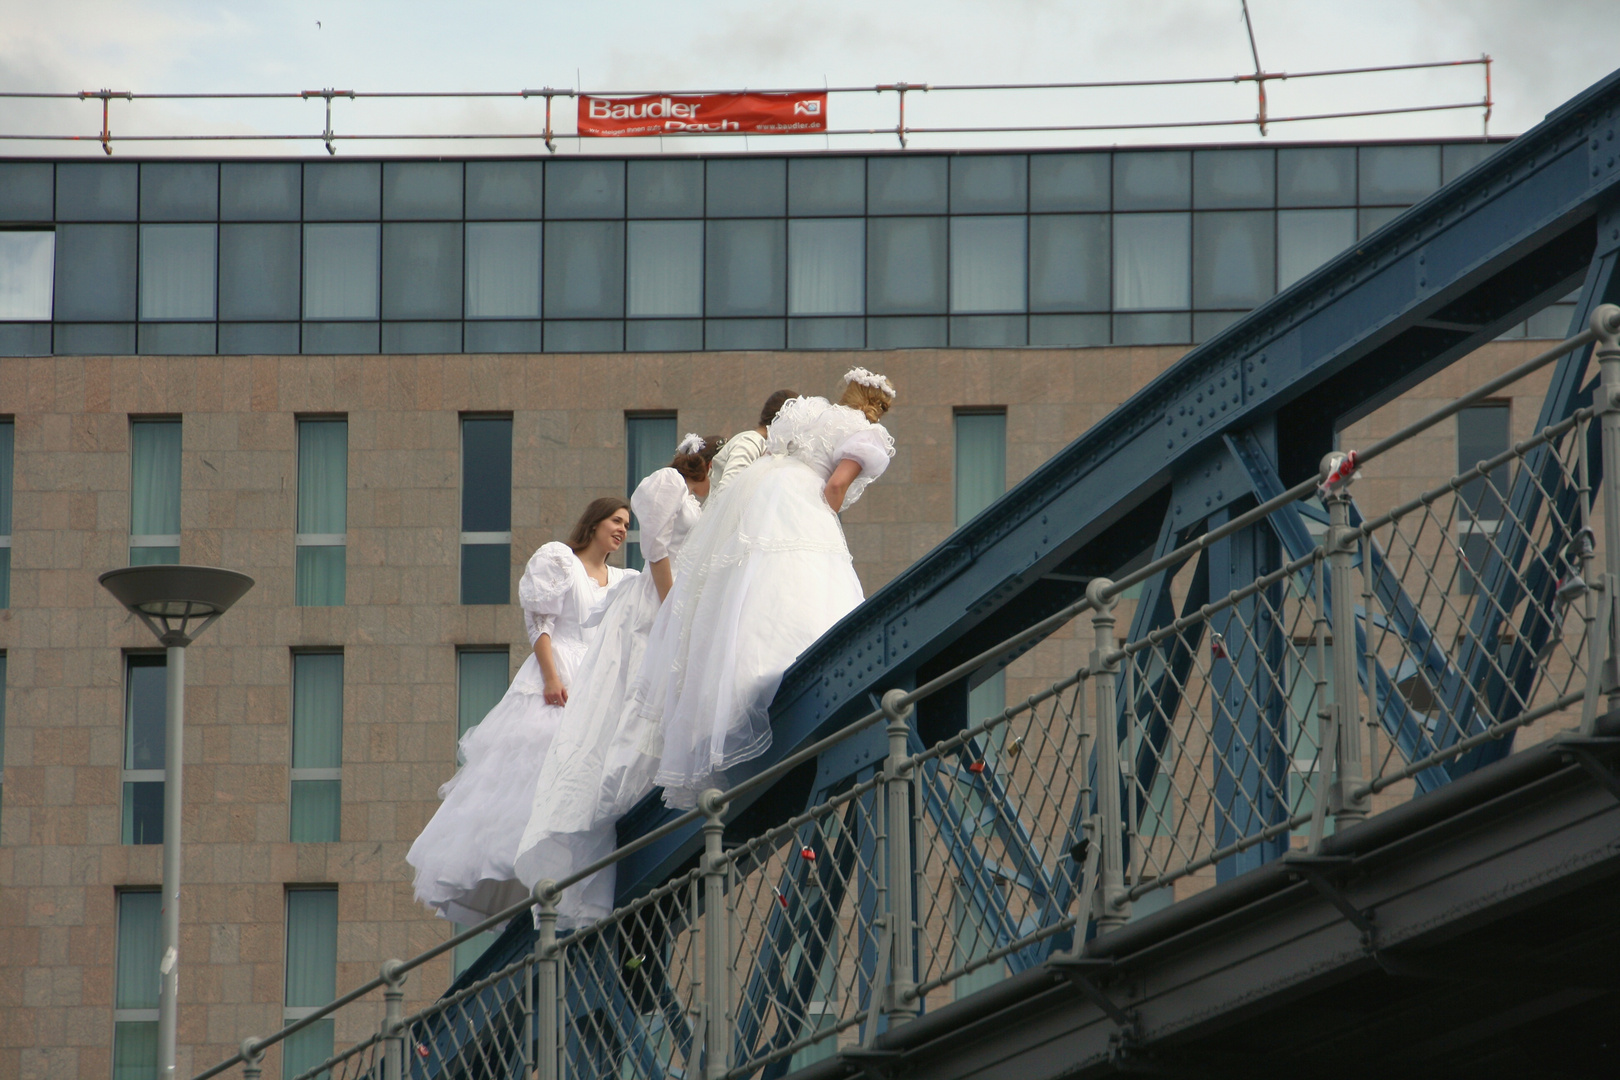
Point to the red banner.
(703, 114)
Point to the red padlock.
(807, 854)
(976, 767)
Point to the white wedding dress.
(463, 858)
(764, 574)
(595, 772)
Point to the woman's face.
(611, 531)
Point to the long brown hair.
(597, 512)
(695, 466)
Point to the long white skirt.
(765, 572)
(463, 858)
(574, 802)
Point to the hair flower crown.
(692, 444)
(870, 378)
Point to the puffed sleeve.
(871, 447)
(657, 502)
(796, 423)
(544, 585)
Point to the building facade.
(376, 387)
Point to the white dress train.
(764, 574)
(589, 779)
(463, 857)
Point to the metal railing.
(1376, 654)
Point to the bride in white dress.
(588, 781)
(463, 858)
(765, 573)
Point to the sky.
(1544, 53)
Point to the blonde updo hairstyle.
(871, 400)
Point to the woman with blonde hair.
(765, 573)
(463, 858)
(571, 820)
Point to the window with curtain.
(145, 698)
(988, 263)
(1482, 433)
(312, 919)
(323, 512)
(27, 270)
(482, 675)
(649, 444)
(154, 492)
(981, 478)
(827, 266)
(1308, 238)
(8, 432)
(584, 271)
(666, 268)
(315, 801)
(1234, 258)
(486, 509)
(340, 271)
(905, 265)
(177, 271)
(135, 989)
(746, 271)
(503, 270)
(1152, 261)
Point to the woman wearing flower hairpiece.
(765, 573)
(571, 819)
(463, 857)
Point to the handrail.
(1605, 319)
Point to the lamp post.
(177, 603)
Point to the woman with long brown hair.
(463, 858)
(586, 784)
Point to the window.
(981, 478)
(315, 804)
(649, 445)
(666, 268)
(482, 675)
(312, 919)
(154, 492)
(1398, 174)
(1233, 178)
(584, 276)
(905, 266)
(1069, 182)
(146, 695)
(340, 271)
(486, 509)
(1152, 256)
(177, 271)
(1306, 239)
(323, 516)
(747, 267)
(1482, 433)
(988, 262)
(1316, 176)
(826, 266)
(503, 270)
(665, 189)
(135, 992)
(1233, 259)
(27, 267)
(989, 184)
(747, 187)
(1152, 181)
(258, 273)
(1068, 263)
(423, 273)
(8, 431)
(826, 187)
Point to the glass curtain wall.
(136, 984)
(323, 500)
(27, 268)
(316, 797)
(486, 509)
(311, 967)
(649, 445)
(154, 503)
(146, 695)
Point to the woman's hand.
(837, 487)
(556, 693)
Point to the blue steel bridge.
(1342, 798)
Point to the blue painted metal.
(1511, 235)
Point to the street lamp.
(177, 603)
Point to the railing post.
(1113, 907)
(1606, 324)
(902, 1004)
(393, 1025)
(1342, 541)
(716, 940)
(547, 1049)
(252, 1059)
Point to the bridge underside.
(1487, 947)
